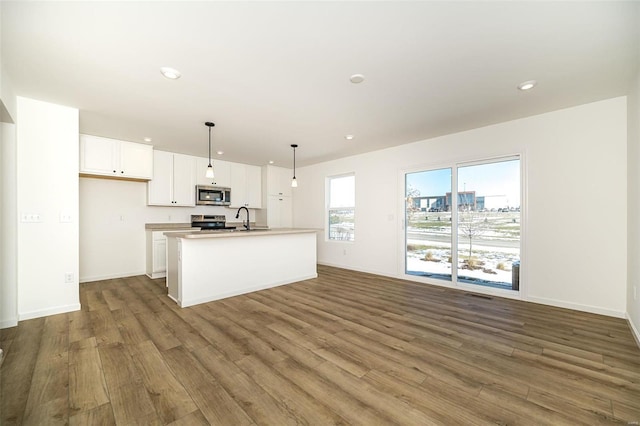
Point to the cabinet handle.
(122, 171)
(114, 171)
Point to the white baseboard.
(50, 311)
(635, 331)
(576, 307)
(110, 276)
(7, 323)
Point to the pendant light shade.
(209, 174)
(294, 182)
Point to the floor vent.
(481, 296)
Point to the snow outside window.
(341, 207)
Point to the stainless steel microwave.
(213, 196)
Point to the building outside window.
(341, 207)
(463, 223)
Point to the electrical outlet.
(635, 295)
(68, 278)
(344, 252)
(169, 218)
(30, 217)
(65, 217)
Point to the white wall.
(633, 160)
(8, 221)
(8, 227)
(47, 177)
(575, 253)
(113, 214)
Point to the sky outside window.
(492, 179)
(342, 191)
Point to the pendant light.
(209, 174)
(294, 182)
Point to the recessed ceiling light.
(220, 152)
(357, 78)
(147, 139)
(170, 73)
(527, 85)
(270, 161)
(348, 137)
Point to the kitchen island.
(209, 265)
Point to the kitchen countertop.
(176, 225)
(240, 233)
(167, 226)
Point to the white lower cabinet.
(157, 252)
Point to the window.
(463, 223)
(341, 207)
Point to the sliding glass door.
(473, 207)
(428, 224)
(489, 224)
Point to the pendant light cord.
(209, 124)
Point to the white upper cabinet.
(246, 186)
(221, 171)
(184, 187)
(173, 182)
(114, 158)
(136, 160)
(277, 180)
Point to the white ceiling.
(270, 74)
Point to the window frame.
(329, 209)
(455, 164)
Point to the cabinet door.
(98, 156)
(238, 185)
(286, 212)
(184, 183)
(279, 212)
(253, 189)
(136, 160)
(279, 181)
(159, 188)
(221, 170)
(159, 256)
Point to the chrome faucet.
(238, 215)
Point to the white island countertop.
(233, 233)
(203, 266)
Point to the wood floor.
(345, 348)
